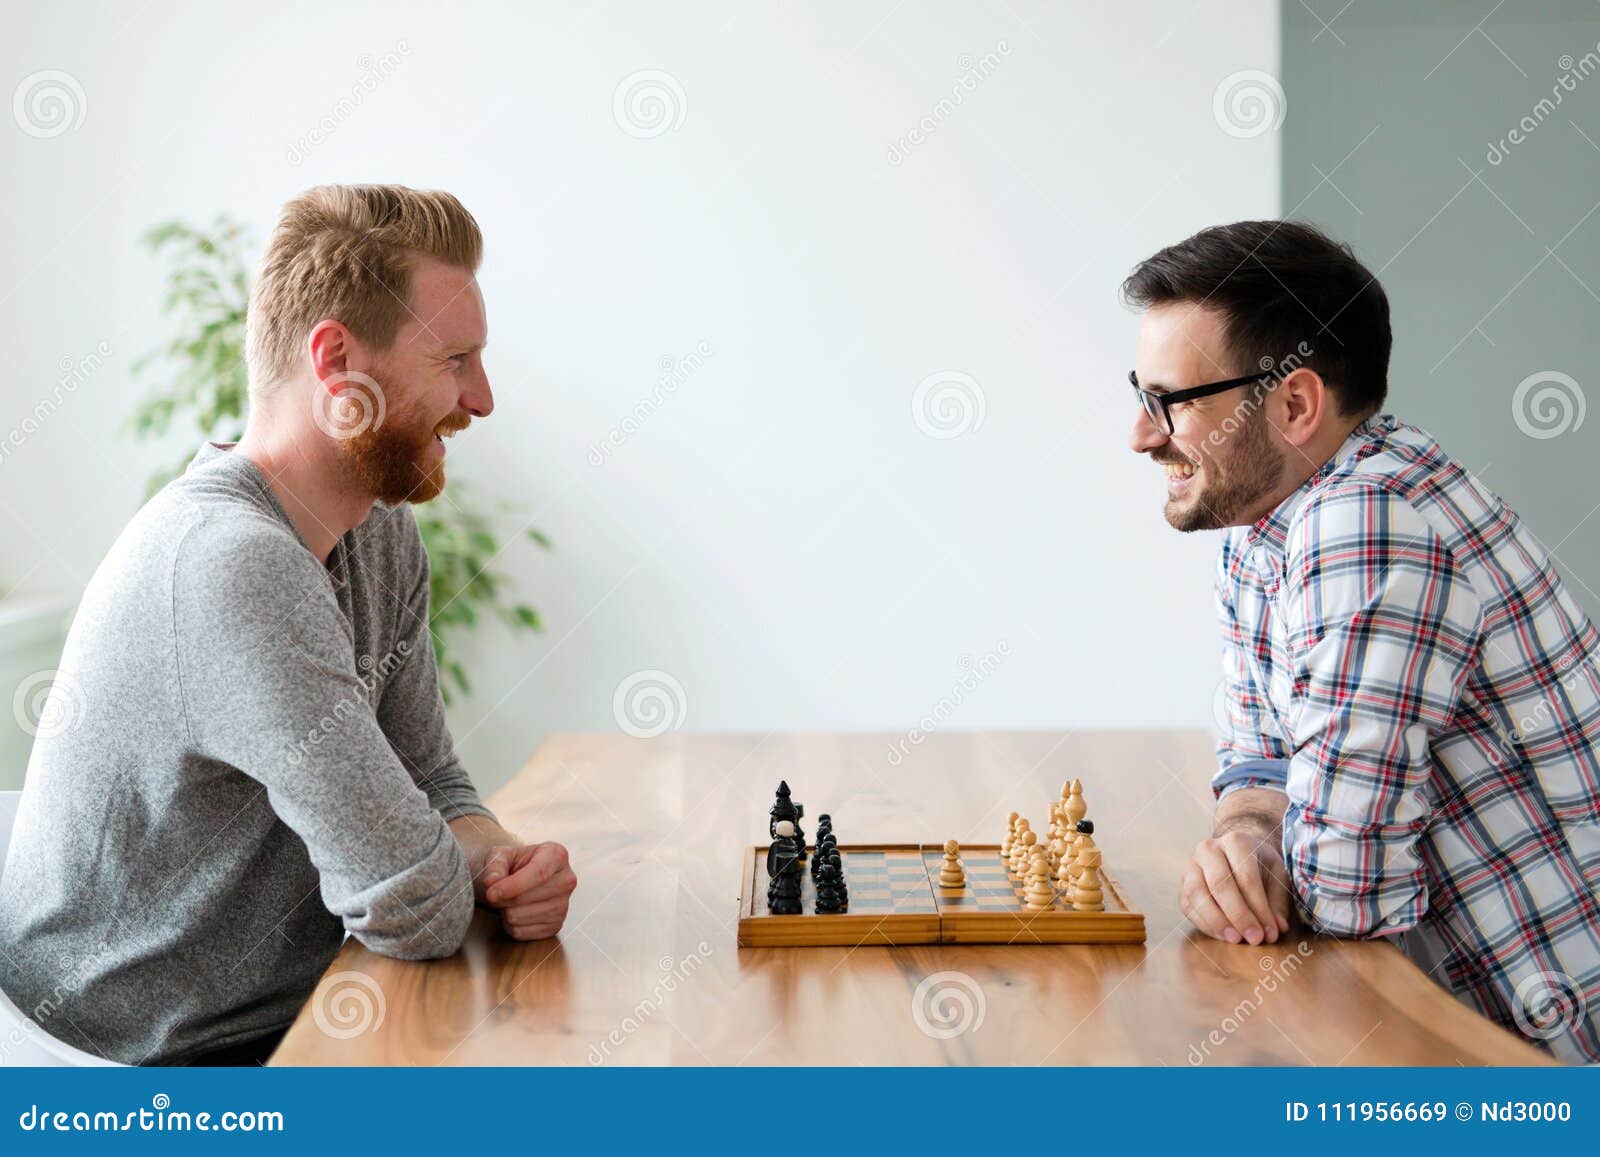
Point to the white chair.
(22, 1042)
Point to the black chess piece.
(783, 871)
(1086, 827)
(825, 840)
(782, 809)
(831, 896)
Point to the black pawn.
(1086, 827)
(831, 896)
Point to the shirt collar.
(1273, 528)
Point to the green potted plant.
(204, 386)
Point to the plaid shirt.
(1403, 662)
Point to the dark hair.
(1280, 283)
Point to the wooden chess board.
(895, 898)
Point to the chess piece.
(1039, 894)
(951, 874)
(1022, 849)
(1074, 807)
(782, 809)
(1087, 894)
(783, 871)
(1065, 870)
(1080, 840)
(831, 896)
(1011, 835)
(1085, 844)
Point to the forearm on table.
(1257, 810)
(477, 834)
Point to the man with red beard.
(1412, 696)
(259, 761)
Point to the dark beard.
(1238, 479)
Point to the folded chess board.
(895, 898)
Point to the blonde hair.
(346, 252)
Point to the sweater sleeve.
(410, 709)
(269, 686)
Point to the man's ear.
(1303, 401)
(329, 347)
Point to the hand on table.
(530, 885)
(1235, 887)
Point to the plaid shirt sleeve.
(1382, 625)
(1250, 751)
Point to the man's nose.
(478, 399)
(1145, 437)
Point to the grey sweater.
(248, 758)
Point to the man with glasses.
(1412, 695)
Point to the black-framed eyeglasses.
(1159, 406)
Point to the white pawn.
(1022, 851)
(951, 874)
(1039, 895)
(1087, 895)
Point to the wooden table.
(647, 970)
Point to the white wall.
(780, 535)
